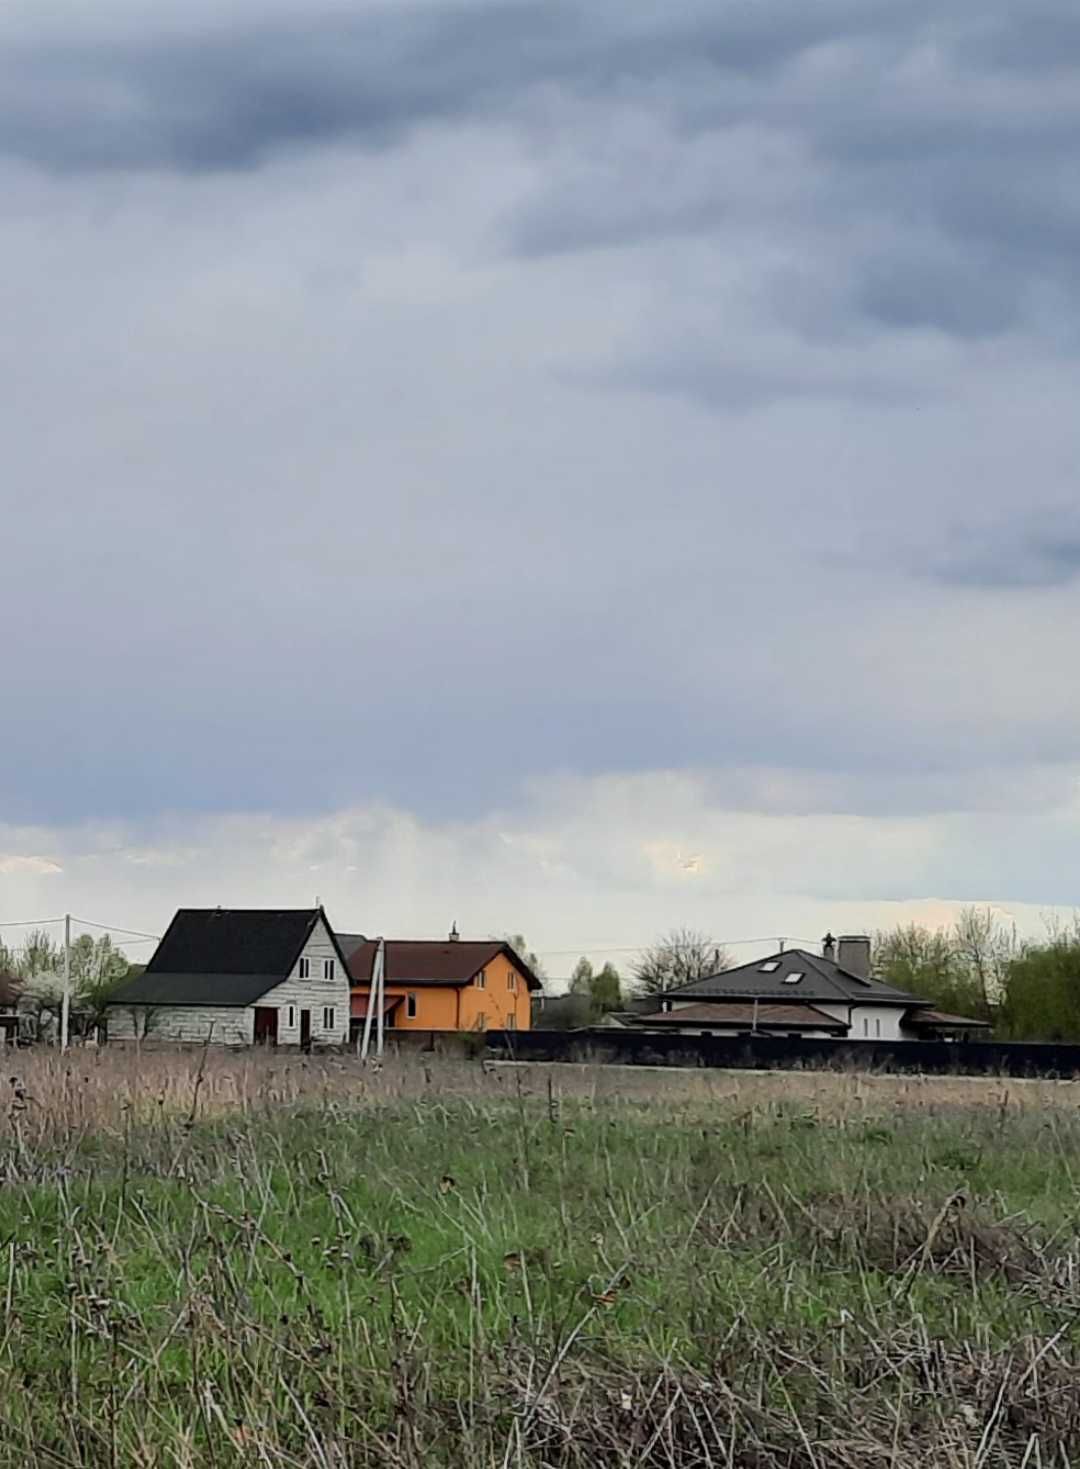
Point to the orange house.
(443, 984)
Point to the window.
(511, 1022)
(481, 980)
(305, 968)
(328, 969)
(481, 1021)
(877, 1028)
(770, 967)
(865, 1026)
(328, 1018)
(794, 978)
(290, 1017)
(410, 1006)
(511, 980)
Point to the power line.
(30, 922)
(637, 948)
(113, 928)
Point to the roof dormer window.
(770, 967)
(795, 977)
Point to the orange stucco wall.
(496, 1006)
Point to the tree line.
(1028, 989)
(34, 971)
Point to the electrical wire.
(114, 928)
(637, 948)
(30, 922)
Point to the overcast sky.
(578, 467)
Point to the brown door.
(305, 1030)
(265, 1026)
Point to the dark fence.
(770, 1053)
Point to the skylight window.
(795, 977)
(769, 968)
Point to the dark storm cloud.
(937, 172)
(230, 98)
(369, 387)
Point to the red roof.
(946, 1021)
(432, 961)
(786, 1017)
(358, 1005)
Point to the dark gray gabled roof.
(224, 956)
(195, 989)
(772, 978)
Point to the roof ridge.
(816, 961)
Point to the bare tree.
(144, 1020)
(984, 945)
(678, 957)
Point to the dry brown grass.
(49, 1095)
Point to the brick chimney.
(853, 954)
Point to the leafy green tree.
(925, 962)
(1041, 999)
(521, 948)
(98, 969)
(39, 954)
(605, 990)
(961, 969)
(582, 978)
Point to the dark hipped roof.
(224, 956)
(739, 1012)
(823, 982)
(433, 961)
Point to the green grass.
(523, 1281)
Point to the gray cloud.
(406, 404)
(1024, 551)
(228, 98)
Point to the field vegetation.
(281, 1261)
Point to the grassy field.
(286, 1262)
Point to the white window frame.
(511, 1022)
(411, 1005)
(866, 1026)
(290, 1017)
(328, 1018)
(481, 980)
(328, 968)
(305, 967)
(877, 1027)
(511, 980)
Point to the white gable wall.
(313, 993)
(869, 1022)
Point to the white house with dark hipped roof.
(831, 995)
(236, 976)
